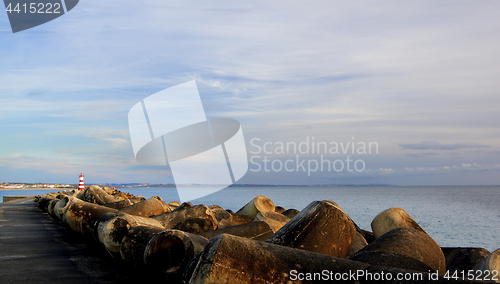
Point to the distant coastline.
(38, 188)
(171, 185)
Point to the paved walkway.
(36, 249)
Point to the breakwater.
(261, 242)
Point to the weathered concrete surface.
(290, 213)
(256, 205)
(391, 219)
(404, 248)
(463, 259)
(273, 219)
(234, 260)
(36, 249)
(322, 227)
(490, 266)
(147, 208)
(168, 253)
(358, 244)
(258, 230)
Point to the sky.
(417, 79)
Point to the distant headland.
(33, 186)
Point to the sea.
(454, 216)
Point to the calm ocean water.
(466, 216)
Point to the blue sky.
(419, 78)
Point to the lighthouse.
(80, 185)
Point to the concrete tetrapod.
(239, 219)
(489, 269)
(369, 237)
(61, 207)
(214, 206)
(184, 205)
(463, 259)
(119, 204)
(235, 260)
(51, 208)
(257, 230)
(146, 208)
(169, 252)
(220, 214)
(322, 227)
(80, 193)
(358, 243)
(391, 219)
(195, 225)
(191, 266)
(273, 219)
(95, 194)
(171, 219)
(81, 215)
(136, 199)
(43, 202)
(50, 195)
(404, 248)
(224, 223)
(279, 209)
(134, 243)
(174, 204)
(256, 205)
(290, 213)
(110, 229)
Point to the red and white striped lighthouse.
(80, 185)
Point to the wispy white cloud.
(378, 172)
(117, 138)
(461, 168)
